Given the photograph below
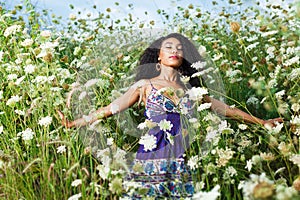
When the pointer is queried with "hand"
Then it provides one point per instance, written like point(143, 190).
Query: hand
point(272, 122)
point(64, 121)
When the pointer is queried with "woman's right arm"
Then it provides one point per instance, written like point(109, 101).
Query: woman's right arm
point(83, 121)
point(129, 98)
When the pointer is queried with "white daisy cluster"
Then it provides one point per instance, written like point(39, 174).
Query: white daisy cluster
point(165, 125)
point(261, 187)
point(47, 48)
point(45, 121)
point(26, 135)
point(147, 124)
point(210, 195)
point(193, 162)
point(12, 30)
point(148, 141)
point(197, 93)
point(113, 162)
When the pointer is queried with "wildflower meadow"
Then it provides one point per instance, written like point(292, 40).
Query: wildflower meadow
point(251, 62)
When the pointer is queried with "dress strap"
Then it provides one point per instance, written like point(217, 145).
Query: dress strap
point(151, 84)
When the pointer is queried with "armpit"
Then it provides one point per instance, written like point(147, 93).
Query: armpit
point(140, 86)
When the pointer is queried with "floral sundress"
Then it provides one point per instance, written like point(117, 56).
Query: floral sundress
point(162, 170)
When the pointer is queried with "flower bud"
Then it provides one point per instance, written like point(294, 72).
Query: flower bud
point(235, 27)
point(296, 184)
point(263, 190)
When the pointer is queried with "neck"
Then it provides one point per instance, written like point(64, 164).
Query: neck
point(168, 73)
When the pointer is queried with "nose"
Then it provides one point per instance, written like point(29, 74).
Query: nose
point(174, 51)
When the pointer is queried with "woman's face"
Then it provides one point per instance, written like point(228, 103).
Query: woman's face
point(171, 53)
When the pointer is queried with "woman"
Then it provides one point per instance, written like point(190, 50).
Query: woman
point(164, 172)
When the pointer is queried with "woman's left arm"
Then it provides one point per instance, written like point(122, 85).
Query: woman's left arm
point(235, 113)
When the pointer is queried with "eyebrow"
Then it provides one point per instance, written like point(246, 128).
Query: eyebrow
point(172, 43)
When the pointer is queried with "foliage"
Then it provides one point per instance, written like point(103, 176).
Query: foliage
point(254, 52)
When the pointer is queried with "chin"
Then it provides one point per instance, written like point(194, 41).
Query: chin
point(175, 66)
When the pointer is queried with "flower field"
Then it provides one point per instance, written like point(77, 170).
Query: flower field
point(251, 62)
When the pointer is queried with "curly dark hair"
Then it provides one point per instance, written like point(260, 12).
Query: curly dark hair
point(149, 59)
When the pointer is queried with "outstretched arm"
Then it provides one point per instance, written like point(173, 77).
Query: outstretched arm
point(235, 113)
point(123, 102)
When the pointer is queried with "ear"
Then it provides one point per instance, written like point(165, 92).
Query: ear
point(158, 58)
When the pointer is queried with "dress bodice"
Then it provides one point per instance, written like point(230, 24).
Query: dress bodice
point(160, 107)
point(159, 104)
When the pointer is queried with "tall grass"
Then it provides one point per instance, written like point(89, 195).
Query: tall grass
point(254, 55)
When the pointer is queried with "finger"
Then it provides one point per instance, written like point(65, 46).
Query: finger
point(269, 125)
point(280, 119)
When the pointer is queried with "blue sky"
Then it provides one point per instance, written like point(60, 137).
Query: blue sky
point(61, 7)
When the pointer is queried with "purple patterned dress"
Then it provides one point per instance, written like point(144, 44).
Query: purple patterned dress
point(164, 173)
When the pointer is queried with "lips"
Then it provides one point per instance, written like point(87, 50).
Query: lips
point(174, 57)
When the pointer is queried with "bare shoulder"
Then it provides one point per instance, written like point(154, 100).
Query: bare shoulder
point(142, 87)
point(141, 84)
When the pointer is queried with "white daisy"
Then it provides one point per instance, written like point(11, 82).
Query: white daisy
point(249, 165)
point(242, 126)
point(199, 65)
point(193, 162)
point(13, 100)
point(110, 141)
point(197, 93)
point(45, 33)
point(149, 142)
point(75, 196)
point(27, 134)
point(45, 121)
point(211, 195)
point(165, 125)
point(27, 43)
point(61, 149)
point(204, 106)
point(76, 182)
